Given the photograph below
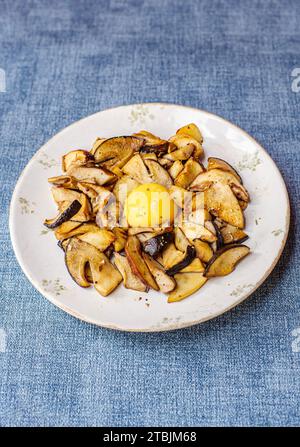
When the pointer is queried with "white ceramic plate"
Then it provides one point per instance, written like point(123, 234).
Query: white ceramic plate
point(267, 221)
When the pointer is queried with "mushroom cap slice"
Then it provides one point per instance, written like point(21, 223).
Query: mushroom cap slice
point(63, 216)
point(158, 174)
point(224, 261)
point(192, 130)
point(117, 151)
point(218, 163)
point(220, 176)
point(99, 176)
point(189, 256)
point(136, 169)
point(137, 263)
point(221, 202)
point(130, 280)
point(100, 238)
point(203, 250)
point(233, 234)
point(165, 283)
point(187, 283)
point(152, 143)
point(190, 171)
point(77, 157)
point(105, 277)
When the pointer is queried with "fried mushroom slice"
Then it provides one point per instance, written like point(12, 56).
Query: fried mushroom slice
point(218, 163)
point(224, 261)
point(130, 280)
point(136, 169)
point(233, 234)
point(100, 238)
point(220, 176)
point(187, 283)
point(203, 250)
point(152, 143)
point(176, 169)
point(63, 216)
point(190, 171)
point(116, 151)
point(221, 202)
point(105, 277)
point(165, 283)
point(139, 267)
point(76, 158)
point(99, 176)
point(158, 174)
point(192, 130)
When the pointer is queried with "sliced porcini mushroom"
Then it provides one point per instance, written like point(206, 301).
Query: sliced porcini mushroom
point(123, 187)
point(192, 130)
point(224, 261)
point(108, 213)
point(176, 169)
point(240, 192)
point(189, 256)
point(213, 228)
point(96, 144)
point(76, 158)
point(186, 147)
point(65, 181)
point(120, 239)
point(182, 153)
point(152, 143)
point(158, 174)
point(197, 231)
point(165, 283)
point(218, 163)
point(92, 191)
point(63, 244)
point(180, 240)
point(136, 169)
point(243, 204)
point(70, 229)
point(130, 280)
point(190, 171)
point(171, 256)
point(231, 234)
point(116, 151)
point(203, 250)
point(64, 195)
point(67, 214)
point(195, 266)
point(149, 156)
point(137, 263)
point(105, 276)
point(65, 230)
point(156, 244)
point(221, 202)
point(220, 176)
point(165, 163)
point(99, 176)
point(187, 284)
point(100, 238)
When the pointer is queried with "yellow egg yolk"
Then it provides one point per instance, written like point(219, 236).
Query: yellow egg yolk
point(149, 205)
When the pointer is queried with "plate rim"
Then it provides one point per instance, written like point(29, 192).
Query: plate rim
point(171, 327)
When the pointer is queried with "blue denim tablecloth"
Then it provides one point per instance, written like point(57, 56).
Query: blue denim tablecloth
point(63, 60)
